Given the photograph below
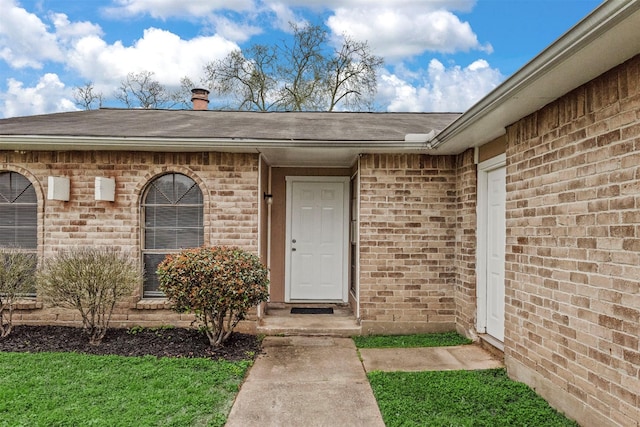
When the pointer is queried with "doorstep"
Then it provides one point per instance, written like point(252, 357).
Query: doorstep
point(278, 320)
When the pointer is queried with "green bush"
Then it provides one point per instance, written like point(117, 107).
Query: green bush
point(218, 284)
point(17, 278)
point(90, 280)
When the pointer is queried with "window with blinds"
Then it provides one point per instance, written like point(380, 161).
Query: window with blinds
point(173, 219)
point(18, 214)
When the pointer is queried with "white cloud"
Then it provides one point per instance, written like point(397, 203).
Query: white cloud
point(284, 16)
point(461, 5)
point(442, 89)
point(166, 54)
point(401, 32)
point(25, 40)
point(49, 95)
point(164, 9)
point(231, 30)
point(68, 31)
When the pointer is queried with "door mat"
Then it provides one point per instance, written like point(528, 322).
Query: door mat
point(312, 310)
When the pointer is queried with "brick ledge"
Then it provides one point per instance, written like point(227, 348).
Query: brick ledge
point(153, 304)
point(27, 304)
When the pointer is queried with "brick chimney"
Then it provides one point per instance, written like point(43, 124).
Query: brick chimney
point(200, 99)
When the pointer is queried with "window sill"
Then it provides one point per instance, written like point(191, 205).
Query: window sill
point(153, 304)
point(27, 304)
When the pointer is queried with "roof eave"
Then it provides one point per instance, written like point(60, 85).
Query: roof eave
point(85, 143)
point(602, 40)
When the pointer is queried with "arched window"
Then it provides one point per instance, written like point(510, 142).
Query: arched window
point(172, 209)
point(18, 212)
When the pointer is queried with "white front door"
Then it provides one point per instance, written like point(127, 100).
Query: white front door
point(495, 252)
point(317, 238)
point(491, 247)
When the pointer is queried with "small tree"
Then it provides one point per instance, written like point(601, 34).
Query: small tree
point(218, 284)
point(90, 280)
point(17, 278)
point(144, 91)
point(304, 75)
point(86, 97)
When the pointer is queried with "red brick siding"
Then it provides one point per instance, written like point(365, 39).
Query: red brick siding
point(228, 182)
point(466, 221)
point(407, 242)
point(573, 247)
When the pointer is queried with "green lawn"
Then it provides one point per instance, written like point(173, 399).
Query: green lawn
point(460, 398)
point(69, 389)
point(454, 398)
point(443, 339)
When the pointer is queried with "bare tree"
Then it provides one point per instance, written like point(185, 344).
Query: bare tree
point(142, 90)
point(303, 68)
point(300, 76)
point(352, 76)
point(86, 96)
point(249, 79)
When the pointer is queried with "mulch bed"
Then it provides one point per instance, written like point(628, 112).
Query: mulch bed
point(159, 342)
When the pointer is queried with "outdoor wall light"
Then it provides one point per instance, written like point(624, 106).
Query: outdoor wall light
point(268, 198)
point(58, 188)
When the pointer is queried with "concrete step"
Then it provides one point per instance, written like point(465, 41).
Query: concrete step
point(278, 320)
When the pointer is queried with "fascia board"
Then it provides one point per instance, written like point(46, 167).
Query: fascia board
point(84, 143)
point(606, 17)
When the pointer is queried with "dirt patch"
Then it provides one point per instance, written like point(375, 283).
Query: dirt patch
point(160, 342)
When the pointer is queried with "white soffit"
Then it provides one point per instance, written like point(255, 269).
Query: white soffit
point(604, 39)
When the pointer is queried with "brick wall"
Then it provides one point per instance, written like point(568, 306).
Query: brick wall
point(228, 183)
point(465, 260)
point(407, 243)
point(573, 250)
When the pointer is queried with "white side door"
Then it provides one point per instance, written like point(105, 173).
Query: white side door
point(317, 239)
point(496, 229)
point(491, 247)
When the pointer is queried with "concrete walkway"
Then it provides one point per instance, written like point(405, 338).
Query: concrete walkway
point(462, 357)
point(320, 381)
point(306, 381)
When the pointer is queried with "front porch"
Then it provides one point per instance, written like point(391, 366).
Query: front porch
point(277, 319)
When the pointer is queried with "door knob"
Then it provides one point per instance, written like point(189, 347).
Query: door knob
point(293, 241)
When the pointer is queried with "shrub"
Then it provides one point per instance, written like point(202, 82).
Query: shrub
point(90, 280)
point(17, 278)
point(218, 284)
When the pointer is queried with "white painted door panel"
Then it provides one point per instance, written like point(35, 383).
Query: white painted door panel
point(317, 241)
point(496, 240)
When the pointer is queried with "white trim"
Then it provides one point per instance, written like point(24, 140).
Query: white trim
point(481, 258)
point(356, 218)
point(605, 38)
point(233, 145)
point(345, 180)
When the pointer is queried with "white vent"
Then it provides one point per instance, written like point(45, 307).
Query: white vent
point(58, 188)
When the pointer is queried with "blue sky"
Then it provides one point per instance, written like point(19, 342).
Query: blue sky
point(440, 55)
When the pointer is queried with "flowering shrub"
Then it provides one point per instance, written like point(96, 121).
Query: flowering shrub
point(218, 284)
point(90, 280)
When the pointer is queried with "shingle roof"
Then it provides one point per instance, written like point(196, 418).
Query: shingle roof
point(294, 126)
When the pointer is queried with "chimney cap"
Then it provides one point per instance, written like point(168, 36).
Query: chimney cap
point(200, 91)
point(200, 98)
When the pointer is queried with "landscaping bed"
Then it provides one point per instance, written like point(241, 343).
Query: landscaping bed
point(159, 342)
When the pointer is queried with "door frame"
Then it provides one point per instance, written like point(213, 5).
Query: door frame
point(481, 214)
point(345, 180)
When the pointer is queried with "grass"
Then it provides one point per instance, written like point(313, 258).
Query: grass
point(69, 389)
point(460, 398)
point(406, 341)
